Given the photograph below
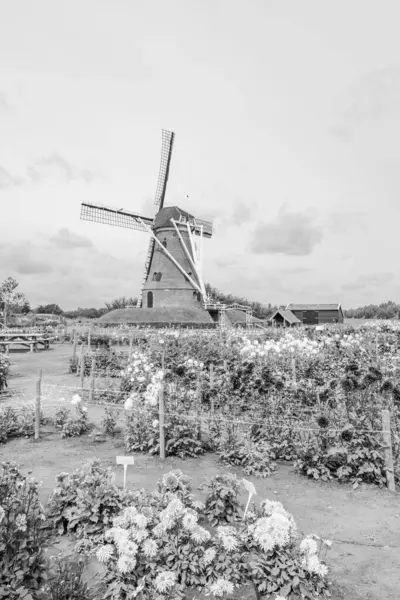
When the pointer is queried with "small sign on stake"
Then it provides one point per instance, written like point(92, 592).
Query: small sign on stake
point(252, 492)
point(125, 461)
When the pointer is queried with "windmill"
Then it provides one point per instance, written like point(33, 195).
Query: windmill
point(173, 267)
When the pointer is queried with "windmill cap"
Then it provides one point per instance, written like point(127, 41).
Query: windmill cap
point(163, 217)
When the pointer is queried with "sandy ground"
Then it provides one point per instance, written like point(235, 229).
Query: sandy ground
point(364, 525)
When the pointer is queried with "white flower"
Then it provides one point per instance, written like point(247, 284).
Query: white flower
point(2, 513)
point(126, 564)
point(327, 543)
point(140, 520)
point(221, 587)
point(150, 548)
point(20, 522)
point(199, 534)
point(104, 553)
point(128, 404)
point(189, 521)
point(309, 546)
point(198, 505)
point(76, 399)
point(165, 580)
point(323, 570)
point(229, 542)
point(140, 535)
point(84, 408)
point(155, 423)
point(209, 556)
point(280, 598)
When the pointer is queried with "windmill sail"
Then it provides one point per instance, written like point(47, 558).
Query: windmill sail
point(113, 216)
point(166, 152)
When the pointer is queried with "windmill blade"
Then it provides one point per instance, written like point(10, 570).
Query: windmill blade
point(113, 216)
point(166, 152)
point(147, 264)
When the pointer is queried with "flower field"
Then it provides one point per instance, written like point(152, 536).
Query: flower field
point(311, 399)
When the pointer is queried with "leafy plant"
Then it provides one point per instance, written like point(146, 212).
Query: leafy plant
point(85, 501)
point(22, 537)
point(65, 580)
point(72, 426)
point(4, 372)
point(109, 421)
point(222, 505)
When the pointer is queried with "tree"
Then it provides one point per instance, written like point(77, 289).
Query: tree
point(121, 302)
point(9, 297)
point(49, 309)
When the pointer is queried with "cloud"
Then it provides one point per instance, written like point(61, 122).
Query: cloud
point(7, 180)
point(20, 258)
point(5, 104)
point(67, 240)
point(51, 167)
point(373, 98)
point(372, 280)
point(55, 166)
point(292, 234)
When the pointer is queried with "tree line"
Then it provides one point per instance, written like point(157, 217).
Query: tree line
point(13, 302)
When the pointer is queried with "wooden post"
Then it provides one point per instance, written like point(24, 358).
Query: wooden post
point(75, 342)
point(38, 404)
point(294, 371)
point(198, 401)
point(92, 374)
point(161, 419)
point(212, 388)
point(130, 347)
point(81, 362)
point(387, 441)
point(89, 337)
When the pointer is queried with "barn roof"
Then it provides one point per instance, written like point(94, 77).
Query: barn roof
point(287, 315)
point(313, 306)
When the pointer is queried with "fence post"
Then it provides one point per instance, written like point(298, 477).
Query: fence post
point(294, 372)
point(81, 362)
point(198, 401)
point(75, 342)
point(38, 404)
point(161, 419)
point(387, 440)
point(130, 347)
point(212, 388)
point(89, 337)
point(92, 373)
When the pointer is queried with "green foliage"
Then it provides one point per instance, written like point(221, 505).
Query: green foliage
point(182, 437)
point(22, 537)
point(65, 580)
point(109, 421)
point(70, 426)
point(222, 505)
point(254, 458)
point(17, 422)
point(85, 501)
point(4, 372)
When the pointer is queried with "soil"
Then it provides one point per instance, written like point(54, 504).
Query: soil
point(363, 524)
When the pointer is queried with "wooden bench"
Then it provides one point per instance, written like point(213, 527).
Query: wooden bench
point(31, 344)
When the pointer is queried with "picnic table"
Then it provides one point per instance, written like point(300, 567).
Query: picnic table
point(20, 338)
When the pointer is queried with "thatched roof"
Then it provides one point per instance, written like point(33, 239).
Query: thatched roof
point(152, 316)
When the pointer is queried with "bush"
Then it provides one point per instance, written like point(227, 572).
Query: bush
point(85, 501)
point(4, 372)
point(16, 422)
point(222, 505)
point(70, 426)
point(66, 580)
point(22, 537)
point(109, 421)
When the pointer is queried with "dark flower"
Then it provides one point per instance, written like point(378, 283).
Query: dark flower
point(347, 433)
point(387, 386)
point(323, 421)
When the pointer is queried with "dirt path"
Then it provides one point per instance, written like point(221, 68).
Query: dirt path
point(363, 524)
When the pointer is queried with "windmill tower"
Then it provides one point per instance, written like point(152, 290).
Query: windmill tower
point(173, 268)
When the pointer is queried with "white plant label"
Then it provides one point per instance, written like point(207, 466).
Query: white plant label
point(125, 461)
point(252, 492)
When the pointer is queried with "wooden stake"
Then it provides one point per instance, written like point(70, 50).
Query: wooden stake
point(75, 343)
point(294, 371)
point(161, 420)
point(92, 374)
point(89, 337)
point(81, 362)
point(38, 404)
point(387, 441)
point(130, 346)
point(198, 401)
point(212, 388)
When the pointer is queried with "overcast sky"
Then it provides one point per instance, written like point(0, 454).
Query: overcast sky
point(287, 123)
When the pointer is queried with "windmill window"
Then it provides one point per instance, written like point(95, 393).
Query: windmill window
point(164, 243)
point(158, 276)
point(149, 299)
